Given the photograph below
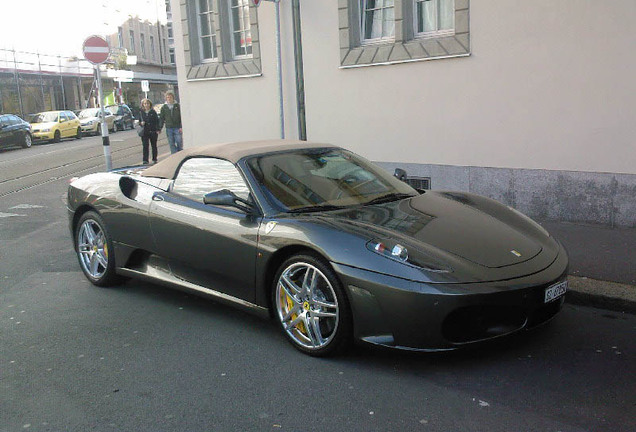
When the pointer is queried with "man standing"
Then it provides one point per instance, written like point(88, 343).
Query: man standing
point(170, 116)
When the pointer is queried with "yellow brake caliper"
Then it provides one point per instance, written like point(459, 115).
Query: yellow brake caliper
point(290, 305)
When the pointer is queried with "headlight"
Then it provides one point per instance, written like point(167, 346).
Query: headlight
point(398, 252)
point(45, 130)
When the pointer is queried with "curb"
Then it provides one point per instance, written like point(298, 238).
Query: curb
point(601, 294)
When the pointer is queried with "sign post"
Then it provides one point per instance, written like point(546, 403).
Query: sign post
point(96, 51)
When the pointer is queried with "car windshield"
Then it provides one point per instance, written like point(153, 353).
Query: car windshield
point(324, 178)
point(89, 112)
point(44, 117)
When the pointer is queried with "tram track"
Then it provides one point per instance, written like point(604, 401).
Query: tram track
point(41, 169)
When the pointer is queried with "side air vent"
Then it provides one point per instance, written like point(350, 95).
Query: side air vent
point(422, 183)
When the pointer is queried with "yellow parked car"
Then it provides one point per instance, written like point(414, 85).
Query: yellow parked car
point(90, 119)
point(52, 126)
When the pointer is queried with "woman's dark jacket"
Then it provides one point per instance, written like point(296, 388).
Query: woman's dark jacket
point(151, 121)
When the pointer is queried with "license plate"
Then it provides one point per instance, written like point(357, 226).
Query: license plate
point(555, 291)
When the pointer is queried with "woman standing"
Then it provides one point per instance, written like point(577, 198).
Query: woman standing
point(150, 122)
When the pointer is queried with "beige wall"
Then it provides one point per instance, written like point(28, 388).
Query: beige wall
point(549, 85)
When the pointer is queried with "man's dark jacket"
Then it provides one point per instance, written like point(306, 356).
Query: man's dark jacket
point(171, 118)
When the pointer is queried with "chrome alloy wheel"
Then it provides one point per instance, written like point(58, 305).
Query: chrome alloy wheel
point(307, 305)
point(92, 249)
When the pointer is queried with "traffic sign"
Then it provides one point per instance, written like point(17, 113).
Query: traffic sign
point(96, 49)
point(145, 86)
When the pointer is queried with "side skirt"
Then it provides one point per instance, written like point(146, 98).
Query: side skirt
point(157, 275)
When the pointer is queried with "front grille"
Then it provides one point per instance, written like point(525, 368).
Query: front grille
point(474, 323)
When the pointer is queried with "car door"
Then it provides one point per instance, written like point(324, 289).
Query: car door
point(5, 133)
point(211, 246)
point(63, 124)
point(73, 123)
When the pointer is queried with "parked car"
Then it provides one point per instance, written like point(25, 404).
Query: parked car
point(52, 126)
point(14, 131)
point(91, 120)
point(329, 244)
point(124, 118)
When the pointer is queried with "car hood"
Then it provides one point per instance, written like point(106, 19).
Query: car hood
point(85, 120)
point(40, 126)
point(466, 226)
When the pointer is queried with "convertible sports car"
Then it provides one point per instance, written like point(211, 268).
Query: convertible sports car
point(329, 244)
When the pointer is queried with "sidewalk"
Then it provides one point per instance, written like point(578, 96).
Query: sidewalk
point(602, 264)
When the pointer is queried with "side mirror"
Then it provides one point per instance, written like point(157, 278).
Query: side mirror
point(400, 174)
point(225, 197)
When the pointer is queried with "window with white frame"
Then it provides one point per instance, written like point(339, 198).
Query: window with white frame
point(434, 17)
point(377, 20)
point(120, 37)
point(207, 29)
point(240, 28)
point(142, 41)
point(397, 31)
point(221, 39)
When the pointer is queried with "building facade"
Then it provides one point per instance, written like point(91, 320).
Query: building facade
point(531, 103)
point(149, 43)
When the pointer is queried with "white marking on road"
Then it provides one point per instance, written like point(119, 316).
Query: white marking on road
point(484, 404)
point(5, 215)
point(26, 206)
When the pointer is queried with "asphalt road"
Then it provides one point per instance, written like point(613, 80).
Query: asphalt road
point(140, 357)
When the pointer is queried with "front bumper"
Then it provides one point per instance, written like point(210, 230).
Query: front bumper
point(89, 128)
point(40, 136)
point(403, 314)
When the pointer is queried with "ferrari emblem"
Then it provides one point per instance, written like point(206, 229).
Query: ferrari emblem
point(270, 227)
point(515, 253)
point(306, 305)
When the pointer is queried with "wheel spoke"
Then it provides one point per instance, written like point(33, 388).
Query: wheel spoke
point(289, 286)
point(101, 258)
point(84, 247)
point(324, 304)
point(324, 314)
point(309, 282)
point(293, 323)
point(313, 329)
point(88, 231)
point(295, 310)
point(94, 265)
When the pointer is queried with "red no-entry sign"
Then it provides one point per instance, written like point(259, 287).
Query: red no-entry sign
point(96, 49)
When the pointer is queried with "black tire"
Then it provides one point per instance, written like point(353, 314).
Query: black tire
point(27, 141)
point(78, 135)
point(95, 251)
point(57, 137)
point(98, 130)
point(317, 322)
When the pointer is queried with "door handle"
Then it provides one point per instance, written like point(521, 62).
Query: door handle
point(157, 197)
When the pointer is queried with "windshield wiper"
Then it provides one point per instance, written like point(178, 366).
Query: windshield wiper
point(393, 196)
point(316, 208)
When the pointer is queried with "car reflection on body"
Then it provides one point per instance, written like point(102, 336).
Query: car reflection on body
point(91, 120)
point(330, 245)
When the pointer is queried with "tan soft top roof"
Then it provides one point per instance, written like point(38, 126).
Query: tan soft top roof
point(232, 152)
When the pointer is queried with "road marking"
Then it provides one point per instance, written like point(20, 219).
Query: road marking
point(5, 215)
point(25, 206)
